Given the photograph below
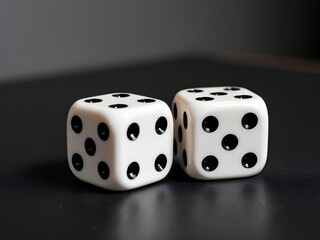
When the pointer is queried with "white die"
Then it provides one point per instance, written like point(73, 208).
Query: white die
point(220, 132)
point(120, 141)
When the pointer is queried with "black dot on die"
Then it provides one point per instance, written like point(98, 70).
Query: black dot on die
point(195, 90)
point(118, 106)
point(121, 95)
point(175, 111)
point(210, 124)
point(218, 93)
point(210, 163)
point(232, 89)
point(185, 120)
point(243, 96)
point(77, 162)
point(76, 124)
point(160, 162)
point(249, 121)
point(133, 131)
point(146, 100)
point(175, 147)
point(204, 99)
point(161, 125)
point(180, 133)
point(93, 100)
point(103, 131)
point(90, 146)
point(103, 170)
point(249, 160)
point(185, 158)
point(133, 170)
point(229, 142)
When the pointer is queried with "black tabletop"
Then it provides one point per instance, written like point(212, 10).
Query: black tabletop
point(41, 199)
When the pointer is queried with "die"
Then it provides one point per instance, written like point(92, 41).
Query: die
point(220, 132)
point(120, 141)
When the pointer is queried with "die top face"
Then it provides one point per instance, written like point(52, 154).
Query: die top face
point(120, 109)
point(117, 102)
point(224, 95)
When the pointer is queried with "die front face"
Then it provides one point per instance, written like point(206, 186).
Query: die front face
point(220, 132)
point(124, 141)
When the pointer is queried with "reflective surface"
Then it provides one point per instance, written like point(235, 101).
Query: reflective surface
point(41, 199)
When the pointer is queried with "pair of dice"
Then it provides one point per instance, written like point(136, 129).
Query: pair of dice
point(123, 141)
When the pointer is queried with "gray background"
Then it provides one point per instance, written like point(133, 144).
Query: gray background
point(41, 37)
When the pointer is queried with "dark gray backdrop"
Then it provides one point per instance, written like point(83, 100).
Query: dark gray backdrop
point(44, 36)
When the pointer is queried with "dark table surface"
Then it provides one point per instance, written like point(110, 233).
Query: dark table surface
point(41, 199)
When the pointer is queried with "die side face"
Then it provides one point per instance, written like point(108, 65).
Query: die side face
point(136, 150)
point(227, 135)
point(86, 149)
point(183, 141)
point(145, 153)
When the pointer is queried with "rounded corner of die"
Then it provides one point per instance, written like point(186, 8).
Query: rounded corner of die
point(197, 175)
point(74, 109)
point(168, 108)
point(71, 109)
point(179, 92)
point(76, 104)
point(254, 173)
point(193, 172)
point(258, 169)
point(180, 95)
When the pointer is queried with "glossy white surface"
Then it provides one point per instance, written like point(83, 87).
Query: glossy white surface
point(118, 152)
